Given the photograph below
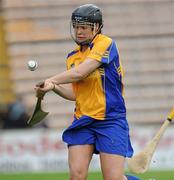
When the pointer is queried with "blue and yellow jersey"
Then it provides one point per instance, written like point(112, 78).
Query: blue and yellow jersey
point(100, 95)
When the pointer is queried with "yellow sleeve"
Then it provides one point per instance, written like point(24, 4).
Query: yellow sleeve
point(99, 49)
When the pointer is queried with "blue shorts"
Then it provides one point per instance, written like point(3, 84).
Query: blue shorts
point(109, 136)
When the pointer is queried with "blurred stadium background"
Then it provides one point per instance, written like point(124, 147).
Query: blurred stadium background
point(39, 29)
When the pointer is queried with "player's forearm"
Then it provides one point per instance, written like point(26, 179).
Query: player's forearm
point(65, 92)
point(77, 73)
point(69, 76)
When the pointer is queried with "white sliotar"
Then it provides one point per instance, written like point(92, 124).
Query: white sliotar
point(32, 65)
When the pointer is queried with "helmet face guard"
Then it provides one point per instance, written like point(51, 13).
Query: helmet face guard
point(86, 15)
point(93, 27)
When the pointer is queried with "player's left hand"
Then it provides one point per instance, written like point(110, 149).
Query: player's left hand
point(43, 87)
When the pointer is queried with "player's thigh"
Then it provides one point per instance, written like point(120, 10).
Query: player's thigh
point(79, 157)
point(112, 166)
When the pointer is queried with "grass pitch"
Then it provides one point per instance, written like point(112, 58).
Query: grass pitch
point(151, 175)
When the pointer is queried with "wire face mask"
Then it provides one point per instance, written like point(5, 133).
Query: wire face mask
point(83, 25)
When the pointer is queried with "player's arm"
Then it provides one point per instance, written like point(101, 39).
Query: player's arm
point(73, 75)
point(77, 73)
point(65, 91)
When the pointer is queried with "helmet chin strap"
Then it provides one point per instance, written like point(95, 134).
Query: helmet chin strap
point(88, 41)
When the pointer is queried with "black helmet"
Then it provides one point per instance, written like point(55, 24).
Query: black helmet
point(87, 13)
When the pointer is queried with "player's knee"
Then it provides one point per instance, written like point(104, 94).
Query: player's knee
point(78, 173)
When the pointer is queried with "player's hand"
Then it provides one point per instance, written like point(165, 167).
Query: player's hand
point(43, 87)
